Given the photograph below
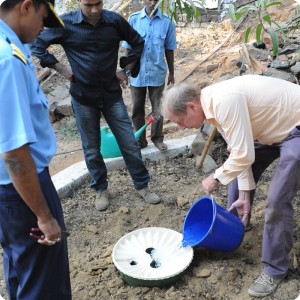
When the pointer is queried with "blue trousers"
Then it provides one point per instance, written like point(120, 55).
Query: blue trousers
point(32, 271)
point(116, 116)
point(279, 212)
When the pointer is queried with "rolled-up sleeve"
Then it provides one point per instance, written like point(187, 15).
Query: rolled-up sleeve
point(232, 115)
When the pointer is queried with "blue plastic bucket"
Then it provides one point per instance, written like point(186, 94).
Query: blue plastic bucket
point(211, 226)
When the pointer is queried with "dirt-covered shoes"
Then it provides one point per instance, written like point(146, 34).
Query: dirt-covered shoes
point(148, 196)
point(264, 285)
point(102, 202)
point(161, 146)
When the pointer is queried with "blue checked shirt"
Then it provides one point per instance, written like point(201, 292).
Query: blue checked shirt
point(159, 35)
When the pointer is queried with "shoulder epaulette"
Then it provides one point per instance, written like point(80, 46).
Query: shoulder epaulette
point(16, 51)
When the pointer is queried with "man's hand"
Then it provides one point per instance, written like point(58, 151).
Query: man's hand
point(243, 206)
point(171, 79)
point(123, 79)
point(209, 184)
point(65, 71)
point(22, 171)
point(51, 232)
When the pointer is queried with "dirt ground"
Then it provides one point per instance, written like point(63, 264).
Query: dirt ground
point(211, 275)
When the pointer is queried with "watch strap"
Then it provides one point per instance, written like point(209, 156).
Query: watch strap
point(127, 72)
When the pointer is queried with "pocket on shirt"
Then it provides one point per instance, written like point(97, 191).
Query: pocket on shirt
point(159, 40)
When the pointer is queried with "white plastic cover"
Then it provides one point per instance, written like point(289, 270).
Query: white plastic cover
point(152, 253)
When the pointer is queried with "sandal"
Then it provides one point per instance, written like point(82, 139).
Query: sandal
point(161, 146)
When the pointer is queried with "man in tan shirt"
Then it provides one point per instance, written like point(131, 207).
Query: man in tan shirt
point(259, 117)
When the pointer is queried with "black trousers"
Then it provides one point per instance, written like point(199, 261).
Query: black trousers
point(138, 96)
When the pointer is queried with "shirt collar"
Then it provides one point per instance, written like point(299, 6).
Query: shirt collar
point(144, 14)
point(79, 17)
point(7, 32)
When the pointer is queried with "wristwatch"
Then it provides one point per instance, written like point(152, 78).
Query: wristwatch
point(127, 72)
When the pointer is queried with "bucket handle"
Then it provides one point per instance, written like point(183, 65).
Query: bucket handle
point(214, 211)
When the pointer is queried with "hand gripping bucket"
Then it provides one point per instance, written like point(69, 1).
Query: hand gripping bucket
point(211, 226)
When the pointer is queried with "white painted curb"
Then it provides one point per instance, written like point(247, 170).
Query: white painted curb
point(72, 177)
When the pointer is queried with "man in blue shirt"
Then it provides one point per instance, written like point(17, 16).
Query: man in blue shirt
point(90, 39)
point(35, 255)
point(159, 34)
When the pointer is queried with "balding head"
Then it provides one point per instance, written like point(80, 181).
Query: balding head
point(176, 98)
point(181, 104)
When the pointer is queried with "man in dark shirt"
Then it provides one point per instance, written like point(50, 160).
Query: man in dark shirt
point(91, 39)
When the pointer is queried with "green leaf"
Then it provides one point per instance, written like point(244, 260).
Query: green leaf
point(231, 12)
point(245, 8)
point(157, 6)
point(247, 33)
point(198, 14)
point(188, 12)
point(191, 3)
point(274, 41)
point(281, 31)
point(258, 33)
point(239, 15)
point(260, 3)
point(267, 19)
point(178, 5)
point(273, 3)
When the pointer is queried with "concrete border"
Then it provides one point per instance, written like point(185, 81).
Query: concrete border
point(72, 177)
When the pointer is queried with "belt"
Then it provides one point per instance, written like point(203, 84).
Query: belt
point(9, 185)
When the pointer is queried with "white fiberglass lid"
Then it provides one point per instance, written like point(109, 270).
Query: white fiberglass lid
point(151, 253)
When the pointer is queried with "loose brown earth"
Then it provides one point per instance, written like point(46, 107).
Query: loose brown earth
point(178, 182)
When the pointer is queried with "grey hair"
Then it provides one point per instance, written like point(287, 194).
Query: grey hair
point(176, 98)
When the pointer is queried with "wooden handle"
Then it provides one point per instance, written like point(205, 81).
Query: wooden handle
point(207, 145)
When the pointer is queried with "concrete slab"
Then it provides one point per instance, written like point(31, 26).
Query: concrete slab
point(72, 177)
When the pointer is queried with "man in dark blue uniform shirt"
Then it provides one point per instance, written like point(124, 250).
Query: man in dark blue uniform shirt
point(91, 39)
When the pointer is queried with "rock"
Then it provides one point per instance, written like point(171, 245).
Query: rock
point(206, 128)
point(280, 64)
point(211, 68)
point(97, 267)
point(296, 56)
point(92, 293)
point(247, 246)
point(59, 103)
point(290, 49)
point(258, 54)
point(202, 273)
point(182, 201)
point(170, 128)
point(92, 228)
point(214, 279)
point(198, 144)
point(296, 69)
point(124, 210)
point(64, 107)
point(279, 74)
point(232, 275)
point(208, 165)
